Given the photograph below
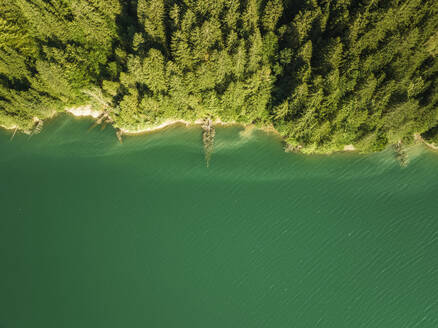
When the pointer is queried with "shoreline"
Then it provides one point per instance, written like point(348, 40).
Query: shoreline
point(152, 128)
point(349, 147)
point(84, 111)
point(9, 127)
point(420, 139)
point(170, 122)
point(431, 146)
point(88, 111)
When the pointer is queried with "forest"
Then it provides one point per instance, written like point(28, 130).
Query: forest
point(323, 73)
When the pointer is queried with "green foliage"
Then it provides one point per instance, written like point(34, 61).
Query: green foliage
point(358, 75)
point(324, 73)
point(431, 135)
point(50, 51)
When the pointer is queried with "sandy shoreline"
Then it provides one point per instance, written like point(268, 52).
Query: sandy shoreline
point(349, 148)
point(163, 125)
point(431, 146)
point(419, 138)
point(13, 127)
point(170, 123)
point(84, 111)
point(88, 111)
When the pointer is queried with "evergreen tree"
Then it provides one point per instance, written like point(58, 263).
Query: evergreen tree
point(324, 73)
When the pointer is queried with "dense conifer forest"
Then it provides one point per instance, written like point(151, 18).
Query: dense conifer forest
point(324, 73)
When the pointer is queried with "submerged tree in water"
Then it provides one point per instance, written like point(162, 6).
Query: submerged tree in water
point(208, 134)
point(400, 154)
point(324, 73)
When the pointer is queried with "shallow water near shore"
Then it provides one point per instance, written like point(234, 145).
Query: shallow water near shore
point(94, 233)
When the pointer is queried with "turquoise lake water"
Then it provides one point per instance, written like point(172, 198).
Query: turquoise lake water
point(94, 233)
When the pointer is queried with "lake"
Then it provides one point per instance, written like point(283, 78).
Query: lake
point(94, 233)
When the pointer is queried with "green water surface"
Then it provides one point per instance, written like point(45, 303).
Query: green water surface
point(94, 233)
